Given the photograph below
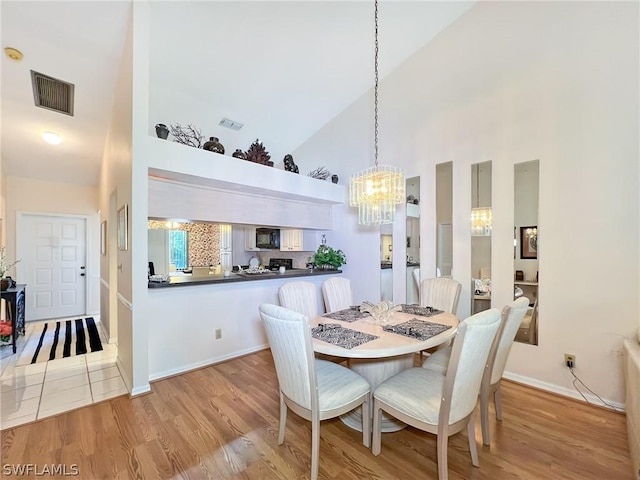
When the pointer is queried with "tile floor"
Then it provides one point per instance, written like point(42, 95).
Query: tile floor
point(33, 392)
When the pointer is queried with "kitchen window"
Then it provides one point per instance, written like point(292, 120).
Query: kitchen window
point(179, 249)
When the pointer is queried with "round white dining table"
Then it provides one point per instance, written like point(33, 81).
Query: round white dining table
point(383, 357)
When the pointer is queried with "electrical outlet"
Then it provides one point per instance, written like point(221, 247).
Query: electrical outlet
point(218, 333)
point(569, 360)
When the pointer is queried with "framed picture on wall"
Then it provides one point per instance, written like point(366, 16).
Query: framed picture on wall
point(103, 237)
point(529, 242)
point(123, 234)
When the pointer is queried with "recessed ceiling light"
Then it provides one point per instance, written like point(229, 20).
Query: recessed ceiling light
point(52, 138)
point(13, 53)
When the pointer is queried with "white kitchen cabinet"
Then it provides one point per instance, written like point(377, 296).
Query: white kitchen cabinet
point(225, 237)
point(250, 239)
point(291, 240)
point(226, 242)
point(296, 240)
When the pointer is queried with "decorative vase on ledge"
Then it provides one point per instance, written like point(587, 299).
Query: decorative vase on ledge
point(214, 145)
point(162, 131)
point(4, 284)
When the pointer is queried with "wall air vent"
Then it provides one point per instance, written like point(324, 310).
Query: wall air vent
point(232, 124)
point(52, 94)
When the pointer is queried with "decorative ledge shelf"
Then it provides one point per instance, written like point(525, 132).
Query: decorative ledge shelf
point(171, 161)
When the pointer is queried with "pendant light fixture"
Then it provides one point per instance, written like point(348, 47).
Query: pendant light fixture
point(481, 217)
point(376, 190)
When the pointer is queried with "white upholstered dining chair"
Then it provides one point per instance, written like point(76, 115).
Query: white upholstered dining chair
point(442, 293)
point(300, 297)
point(337, 294)
point(314, 389)
point(441, 404)
point(512, 315)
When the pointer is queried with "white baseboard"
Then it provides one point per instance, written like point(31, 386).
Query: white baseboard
point(565, 392)
point(205, 363)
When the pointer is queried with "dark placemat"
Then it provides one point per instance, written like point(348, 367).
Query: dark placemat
point(340, 336)
point(418, 329)
point(348, 314)
point(414, 309)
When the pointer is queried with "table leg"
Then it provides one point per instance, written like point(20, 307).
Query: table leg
point(376, 371)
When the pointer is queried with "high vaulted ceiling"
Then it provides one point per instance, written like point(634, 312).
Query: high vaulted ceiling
point(283, 69)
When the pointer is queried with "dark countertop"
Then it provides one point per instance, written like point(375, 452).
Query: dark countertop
point(188, 280)
point(385, 265)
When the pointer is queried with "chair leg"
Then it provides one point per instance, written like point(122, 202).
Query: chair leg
point(366, 422)
point(497, 397)
point(443, 468)
point(315, 447)
point(283, 420)
point(377, 434)
point(484, 416)
point(471, 433)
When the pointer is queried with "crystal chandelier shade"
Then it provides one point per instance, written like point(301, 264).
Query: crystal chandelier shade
point(481, 217)
point(481, 221)
point(376, 190)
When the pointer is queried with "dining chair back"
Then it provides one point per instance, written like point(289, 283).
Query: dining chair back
point(528, 331)
point(440, 292)
point(300, 297)
point(512, 316)
point(439, 403)
point(313, 389)
point(337, 294)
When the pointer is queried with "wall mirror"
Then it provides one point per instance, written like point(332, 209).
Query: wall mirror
point(525, 243)
point(444, 216)
point(481, 221)
point(386, 265)
point(413, 239)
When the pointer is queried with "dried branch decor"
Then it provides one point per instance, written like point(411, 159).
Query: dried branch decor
point(188, 135)
point(320, 173)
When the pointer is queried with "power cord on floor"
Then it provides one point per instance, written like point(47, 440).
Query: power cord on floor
point(577, 381)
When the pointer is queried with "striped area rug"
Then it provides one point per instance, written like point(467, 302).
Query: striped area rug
point(62, 339)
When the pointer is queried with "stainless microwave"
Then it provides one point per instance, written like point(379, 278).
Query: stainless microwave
point(268, 238)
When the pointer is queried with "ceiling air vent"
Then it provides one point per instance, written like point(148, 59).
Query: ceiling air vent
point(52, 94)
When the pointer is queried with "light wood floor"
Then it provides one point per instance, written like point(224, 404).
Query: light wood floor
point(220, 422)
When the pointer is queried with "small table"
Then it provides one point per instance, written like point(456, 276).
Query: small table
point(15, 298)
point(383, 357)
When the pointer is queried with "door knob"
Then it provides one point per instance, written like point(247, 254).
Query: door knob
point(82, 274)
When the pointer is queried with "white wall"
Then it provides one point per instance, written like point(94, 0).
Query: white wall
point(37, 196)
point(184, 321)
point(507, 82)
point(117, 266)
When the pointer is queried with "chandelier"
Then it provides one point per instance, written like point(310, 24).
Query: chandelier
point(481, 217)
point(376, 190)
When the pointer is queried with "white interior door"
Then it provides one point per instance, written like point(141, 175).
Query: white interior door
point(53, 253)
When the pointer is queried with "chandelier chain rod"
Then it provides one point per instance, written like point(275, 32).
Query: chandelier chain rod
point(375, 88)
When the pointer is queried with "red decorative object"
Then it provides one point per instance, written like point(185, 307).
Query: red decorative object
point(5, 330)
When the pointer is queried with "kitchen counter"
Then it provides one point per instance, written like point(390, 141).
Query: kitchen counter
point(189, 280)
point(385, 265)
